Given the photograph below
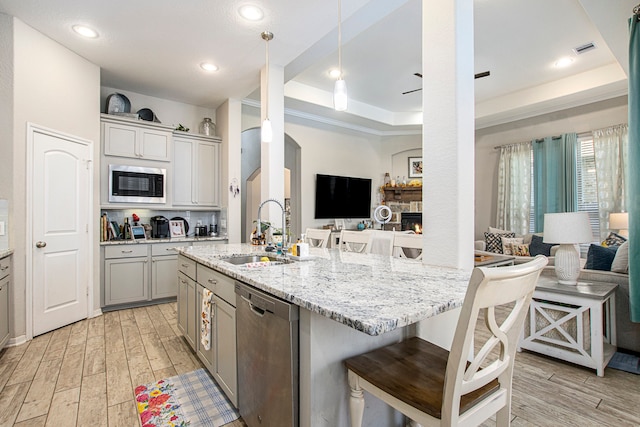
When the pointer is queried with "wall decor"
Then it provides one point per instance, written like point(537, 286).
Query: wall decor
point(415, 167)
point(176, 228)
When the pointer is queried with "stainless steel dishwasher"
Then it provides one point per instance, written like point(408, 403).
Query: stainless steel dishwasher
point(267, 342)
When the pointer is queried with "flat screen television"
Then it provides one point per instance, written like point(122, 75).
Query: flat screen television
point(342, 197)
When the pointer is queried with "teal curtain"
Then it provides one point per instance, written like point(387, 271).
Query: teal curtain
point(554, 176)
point(634, 171)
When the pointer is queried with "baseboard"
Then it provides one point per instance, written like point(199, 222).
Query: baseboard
point(17, 341)
point(97, 312)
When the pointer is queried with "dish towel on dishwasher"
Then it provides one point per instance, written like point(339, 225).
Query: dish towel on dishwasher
point(205, 319)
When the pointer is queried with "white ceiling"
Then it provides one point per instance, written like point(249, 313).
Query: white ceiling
point(154, 47)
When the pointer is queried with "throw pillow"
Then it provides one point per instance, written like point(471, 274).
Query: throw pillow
point(508, 242)
point(620, 262)
point(494, 241)
point(600, 257)
point(538, 247)
point(520, 249)
point(613, 239)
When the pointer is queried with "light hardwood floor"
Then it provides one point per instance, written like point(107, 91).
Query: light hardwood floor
point(84, 374)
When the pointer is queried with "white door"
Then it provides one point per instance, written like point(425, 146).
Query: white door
point(60, 250)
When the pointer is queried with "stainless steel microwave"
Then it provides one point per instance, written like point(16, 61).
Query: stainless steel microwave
point(135, 184)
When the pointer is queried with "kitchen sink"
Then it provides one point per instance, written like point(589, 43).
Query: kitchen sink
point(250, 259)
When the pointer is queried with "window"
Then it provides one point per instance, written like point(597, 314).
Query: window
point(586, 183)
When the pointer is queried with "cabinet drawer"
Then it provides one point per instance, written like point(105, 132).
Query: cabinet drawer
point(5, 267)
point(221, 285)
point(125, 251)
point(159, 249)
point(187, 266)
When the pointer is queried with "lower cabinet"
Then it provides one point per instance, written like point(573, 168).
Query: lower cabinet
point(220, 359)
point(5, 280)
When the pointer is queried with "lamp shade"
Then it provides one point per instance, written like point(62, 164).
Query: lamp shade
point(619, 221)
point(567, 228)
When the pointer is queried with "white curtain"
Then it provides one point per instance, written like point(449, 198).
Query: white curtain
point(610, 146)
point(514, 188)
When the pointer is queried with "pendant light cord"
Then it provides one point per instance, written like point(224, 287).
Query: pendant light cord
point(266, 75)
point(340, 38)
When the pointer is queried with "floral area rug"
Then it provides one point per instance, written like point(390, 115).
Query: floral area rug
point(191, 399)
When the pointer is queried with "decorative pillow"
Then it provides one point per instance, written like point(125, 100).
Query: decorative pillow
point(520, 249)
point(507, 242)
point(538, 247)
point(600, 257)
point(494, 241)
point(620, 262)
point(613, 239)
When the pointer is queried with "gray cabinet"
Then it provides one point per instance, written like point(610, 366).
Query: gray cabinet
point(5, 281)
point(221, 358)
point(136, 140)
point(196, 165)
point(137, 273)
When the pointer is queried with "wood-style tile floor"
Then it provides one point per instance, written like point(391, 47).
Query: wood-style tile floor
point(84, 374)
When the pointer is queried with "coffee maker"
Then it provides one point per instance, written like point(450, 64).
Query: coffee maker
point(159, 227)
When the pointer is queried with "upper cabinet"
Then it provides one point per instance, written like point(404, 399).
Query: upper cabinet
point(136, 139)
point(196, 165)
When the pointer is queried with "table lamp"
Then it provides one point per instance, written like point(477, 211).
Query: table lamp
point(567, 229)
point(620, 221)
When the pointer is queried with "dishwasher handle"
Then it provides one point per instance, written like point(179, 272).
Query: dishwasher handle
point(254, 309)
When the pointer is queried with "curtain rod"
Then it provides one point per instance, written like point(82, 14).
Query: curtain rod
point(580, 135)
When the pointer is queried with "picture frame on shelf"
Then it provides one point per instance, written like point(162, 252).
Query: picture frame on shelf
point(176, 228)
point(415, 167)
point(339, 224)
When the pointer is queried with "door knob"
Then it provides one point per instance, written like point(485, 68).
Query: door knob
point(41, 244)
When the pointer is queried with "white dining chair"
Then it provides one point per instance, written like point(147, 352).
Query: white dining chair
point(436, 387)
point(407, 245)
point(355, 241)
point(317, 238)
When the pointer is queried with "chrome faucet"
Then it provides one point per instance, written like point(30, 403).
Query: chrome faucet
point(284, 221)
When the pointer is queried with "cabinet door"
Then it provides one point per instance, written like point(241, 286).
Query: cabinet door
point(163, 269)
point(207, 181)
point(120, 140)
point(4, 311)
point(155, 145)
point(187, 308)
point(206, 356)
point(125, 280)
point(226, 368)
point(182, 173)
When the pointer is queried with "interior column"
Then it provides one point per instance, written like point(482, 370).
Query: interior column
point(272, 153)
point(448, 132)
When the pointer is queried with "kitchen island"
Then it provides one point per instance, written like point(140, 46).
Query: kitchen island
point(349, 304)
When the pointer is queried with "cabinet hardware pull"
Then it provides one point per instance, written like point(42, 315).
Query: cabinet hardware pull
point(212, 281)
point(4, 267)
point(127, 252)
point(182, 281)
point(185, 265)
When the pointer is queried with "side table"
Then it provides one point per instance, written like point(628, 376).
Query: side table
point(572, 323)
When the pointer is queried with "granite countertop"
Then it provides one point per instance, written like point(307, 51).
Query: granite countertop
point(371, 293)
point(5, 253)
point(167, 240)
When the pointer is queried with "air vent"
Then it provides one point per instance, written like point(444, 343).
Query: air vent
point(584, 48)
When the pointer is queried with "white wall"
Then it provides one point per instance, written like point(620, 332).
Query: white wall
point(580, 119)
point(57, 89)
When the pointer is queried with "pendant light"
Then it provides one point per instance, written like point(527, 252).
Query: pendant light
point(267, 130)
point(340, 88)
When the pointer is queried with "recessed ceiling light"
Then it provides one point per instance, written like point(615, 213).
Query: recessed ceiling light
point(564, 62)
point(207, 66)
point(85, 31)
point(334, 73)
point(251, 12)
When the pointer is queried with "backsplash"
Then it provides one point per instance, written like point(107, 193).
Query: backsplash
point(193, 218)
point(4, 224)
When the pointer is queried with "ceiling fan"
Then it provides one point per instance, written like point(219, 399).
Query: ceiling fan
point(475, 76)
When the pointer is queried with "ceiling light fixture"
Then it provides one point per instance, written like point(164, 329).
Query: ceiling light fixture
point(340, 88)
point(267, 130)
point(251, 12)
point(85, 31)
point(334, 73)
point(207, 66)
point(563, 62)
